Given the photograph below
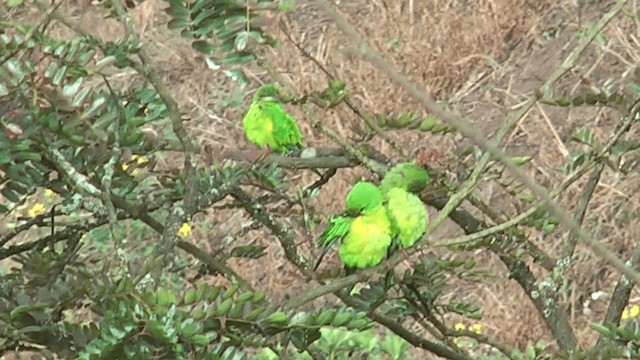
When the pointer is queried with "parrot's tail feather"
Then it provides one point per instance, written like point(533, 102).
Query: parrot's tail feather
point(324, 252)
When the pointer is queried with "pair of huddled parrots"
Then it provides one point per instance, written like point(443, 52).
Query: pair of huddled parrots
point(377, 220)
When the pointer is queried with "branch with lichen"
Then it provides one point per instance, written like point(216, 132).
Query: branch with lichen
point(146, 68)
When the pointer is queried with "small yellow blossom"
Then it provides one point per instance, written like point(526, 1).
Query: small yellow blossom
point(140, 160)
point(625, 314)
point(630, 312)
point(36, 209)
point(459, 327)
point(184, 231)
point(49, 193)
point(476, 328)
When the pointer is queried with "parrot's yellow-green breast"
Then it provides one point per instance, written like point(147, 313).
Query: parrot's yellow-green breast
point(408, 216)
point(368, 239)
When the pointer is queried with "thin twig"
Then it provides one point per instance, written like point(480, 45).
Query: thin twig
point(348, 100)
point(620, 296)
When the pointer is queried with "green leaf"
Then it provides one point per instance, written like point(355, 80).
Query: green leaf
point(59, 75)
point(190, 297)
point(81, 96)
point(165, 297)
point(28, 156)
point(94, 108)
point(201, 340)
point(189, 328)
point(10, 195)
point(204, 47)
point(14, 3)
point(178, 24)
point(602, 329)
point(201, 289)
point(16, 69)
point(241, 41)
point(177, 9)
point(586, 137)
point(239, 58)
point(17, 311)
point(71, 89)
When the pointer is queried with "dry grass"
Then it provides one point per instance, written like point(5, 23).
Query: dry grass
point(487, 56)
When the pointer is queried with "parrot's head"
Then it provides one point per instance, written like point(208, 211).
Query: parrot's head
point(266, 93)
point(417, 177)
point(364, 196)
point(407, 176)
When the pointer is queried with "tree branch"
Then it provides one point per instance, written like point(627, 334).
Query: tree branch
point(472, 133)
point(147, 69)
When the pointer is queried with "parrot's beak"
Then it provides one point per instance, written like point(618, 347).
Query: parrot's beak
point(354, 213)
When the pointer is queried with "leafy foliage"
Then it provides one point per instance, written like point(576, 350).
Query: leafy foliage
point(87, 283)
point(223, 31)
point(411, 120)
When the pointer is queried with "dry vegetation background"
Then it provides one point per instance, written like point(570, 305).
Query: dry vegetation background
point(484, 58)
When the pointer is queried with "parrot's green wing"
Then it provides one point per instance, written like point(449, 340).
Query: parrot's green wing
point(408, 216)
point(286, 133)
point(267, 123)
point(337, 229)
point(258, 127)
point(407, 176)
point(367, 242)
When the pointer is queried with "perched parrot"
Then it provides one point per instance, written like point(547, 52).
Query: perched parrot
point(407, 212)
point(365, 229)
point(408, 216)
point(268, 123)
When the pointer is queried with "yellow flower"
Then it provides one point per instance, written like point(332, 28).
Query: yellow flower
point(634, 311)
point(625, 314)
point(184, 231)
point(459, 327)
point(140, 160)
point(36, 209)
point(49, 193)
point(476, 328)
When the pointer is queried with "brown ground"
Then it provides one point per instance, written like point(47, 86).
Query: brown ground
point(485, 58)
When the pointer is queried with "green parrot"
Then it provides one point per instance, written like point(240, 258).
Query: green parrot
point(268, 123)
point(408, 176)
point(407, 212)
point(408, 216)
point(365, 229)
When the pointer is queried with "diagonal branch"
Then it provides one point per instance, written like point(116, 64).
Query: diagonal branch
point(471, 132)
point(147, 69)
